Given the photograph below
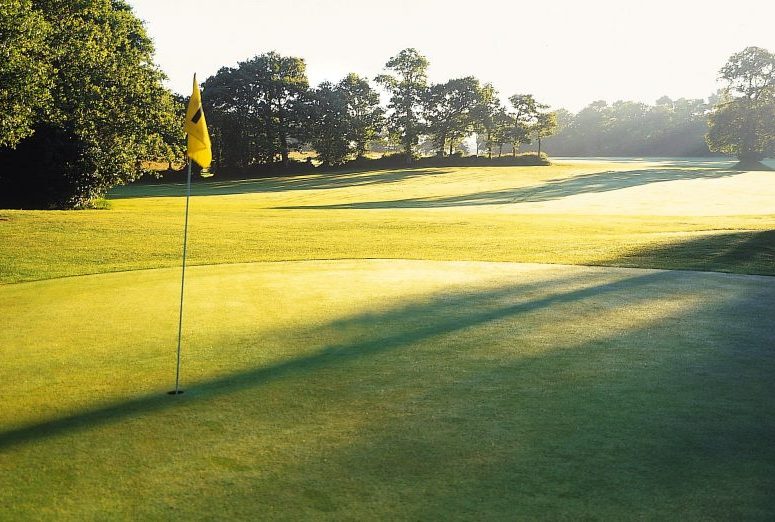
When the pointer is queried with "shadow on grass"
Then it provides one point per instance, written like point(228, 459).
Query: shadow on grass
point(740, 252)
point(671, 419)
point(329, 180)
point(655, 421)
point(445, 317)
point(550, 190)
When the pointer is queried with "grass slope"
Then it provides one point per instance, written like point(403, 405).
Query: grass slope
point(613, 213)
point(390, 390)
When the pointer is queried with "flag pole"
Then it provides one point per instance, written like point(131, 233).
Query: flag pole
point(177, 390)
point(199, 149)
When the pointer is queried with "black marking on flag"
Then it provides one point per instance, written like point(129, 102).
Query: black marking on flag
point(198, 115)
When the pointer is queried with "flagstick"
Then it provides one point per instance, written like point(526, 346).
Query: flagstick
point(178, 391)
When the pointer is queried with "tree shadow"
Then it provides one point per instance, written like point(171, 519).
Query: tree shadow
point(326, 181)
point(651, 421)
point(595, 440)
point(550, 190)
point(410, 324)
point(750, 252)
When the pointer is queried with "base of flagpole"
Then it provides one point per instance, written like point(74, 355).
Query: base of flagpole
point(175, 392)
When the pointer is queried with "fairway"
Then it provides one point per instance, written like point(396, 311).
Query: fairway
point(696, 214)
point(590, 340)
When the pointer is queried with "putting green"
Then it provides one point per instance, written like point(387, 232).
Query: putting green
point(389, 389)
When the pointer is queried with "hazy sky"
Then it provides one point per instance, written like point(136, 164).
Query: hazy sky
point(567, 53)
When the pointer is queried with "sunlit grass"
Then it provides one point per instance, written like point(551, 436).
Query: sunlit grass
point(526, 214)
point(386, 389)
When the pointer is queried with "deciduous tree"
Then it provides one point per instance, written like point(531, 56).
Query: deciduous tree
point(26, 74)
point(545, 125)
point(258, 109)
point(743, 121)
point(365, 117)
point(108, 113)
point(407, 85)
point(522, 119)
point(485, 116)
point(449, 111)
point(329, 124)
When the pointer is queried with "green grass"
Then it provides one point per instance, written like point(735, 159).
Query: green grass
point(612, 214)
point(440, 386)
point(379, 389)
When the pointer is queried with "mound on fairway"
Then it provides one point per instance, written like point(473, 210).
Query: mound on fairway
point(389, 390)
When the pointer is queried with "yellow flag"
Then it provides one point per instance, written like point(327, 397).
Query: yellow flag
point(199, 148)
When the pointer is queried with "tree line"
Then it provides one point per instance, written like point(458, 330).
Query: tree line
point(83, 108)
point(264, 108)
point(627, 128)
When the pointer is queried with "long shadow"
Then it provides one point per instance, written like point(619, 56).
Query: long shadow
point(612, 438)
point(721, 162)
point(550, 190)
point(739, 252)
point(641, 422)
point(467, 310)
point(325, 181)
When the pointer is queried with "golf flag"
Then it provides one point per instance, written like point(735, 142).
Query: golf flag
point(199, 148)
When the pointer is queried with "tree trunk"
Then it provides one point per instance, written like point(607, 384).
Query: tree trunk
point(408, 145)
point(408, 127)
point(539, 146)
point(282, 134)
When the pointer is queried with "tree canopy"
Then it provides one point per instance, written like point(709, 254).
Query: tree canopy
point(97, 108)
point(450, 110)
point(257, 110)
point(343, 119)
point(329, 120)
point(364, 114)
point(26, 73)
point(743, 121)
point(627, 128)
point(407, 85)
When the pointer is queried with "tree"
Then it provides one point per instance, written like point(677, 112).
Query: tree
point(108, 114)
point(624, 129)
point(503, 124)
point(545, 125)
point(329, 122)
point(485, 116)
point(522, 119)
point(407, 87)
point(742, 121)
point(365, 116)
point(449, 111)
point(258, 109)
point(25, 70)
point(743, 127)
point(284, 87)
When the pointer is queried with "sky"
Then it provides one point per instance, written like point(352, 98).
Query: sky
point(566, 53)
